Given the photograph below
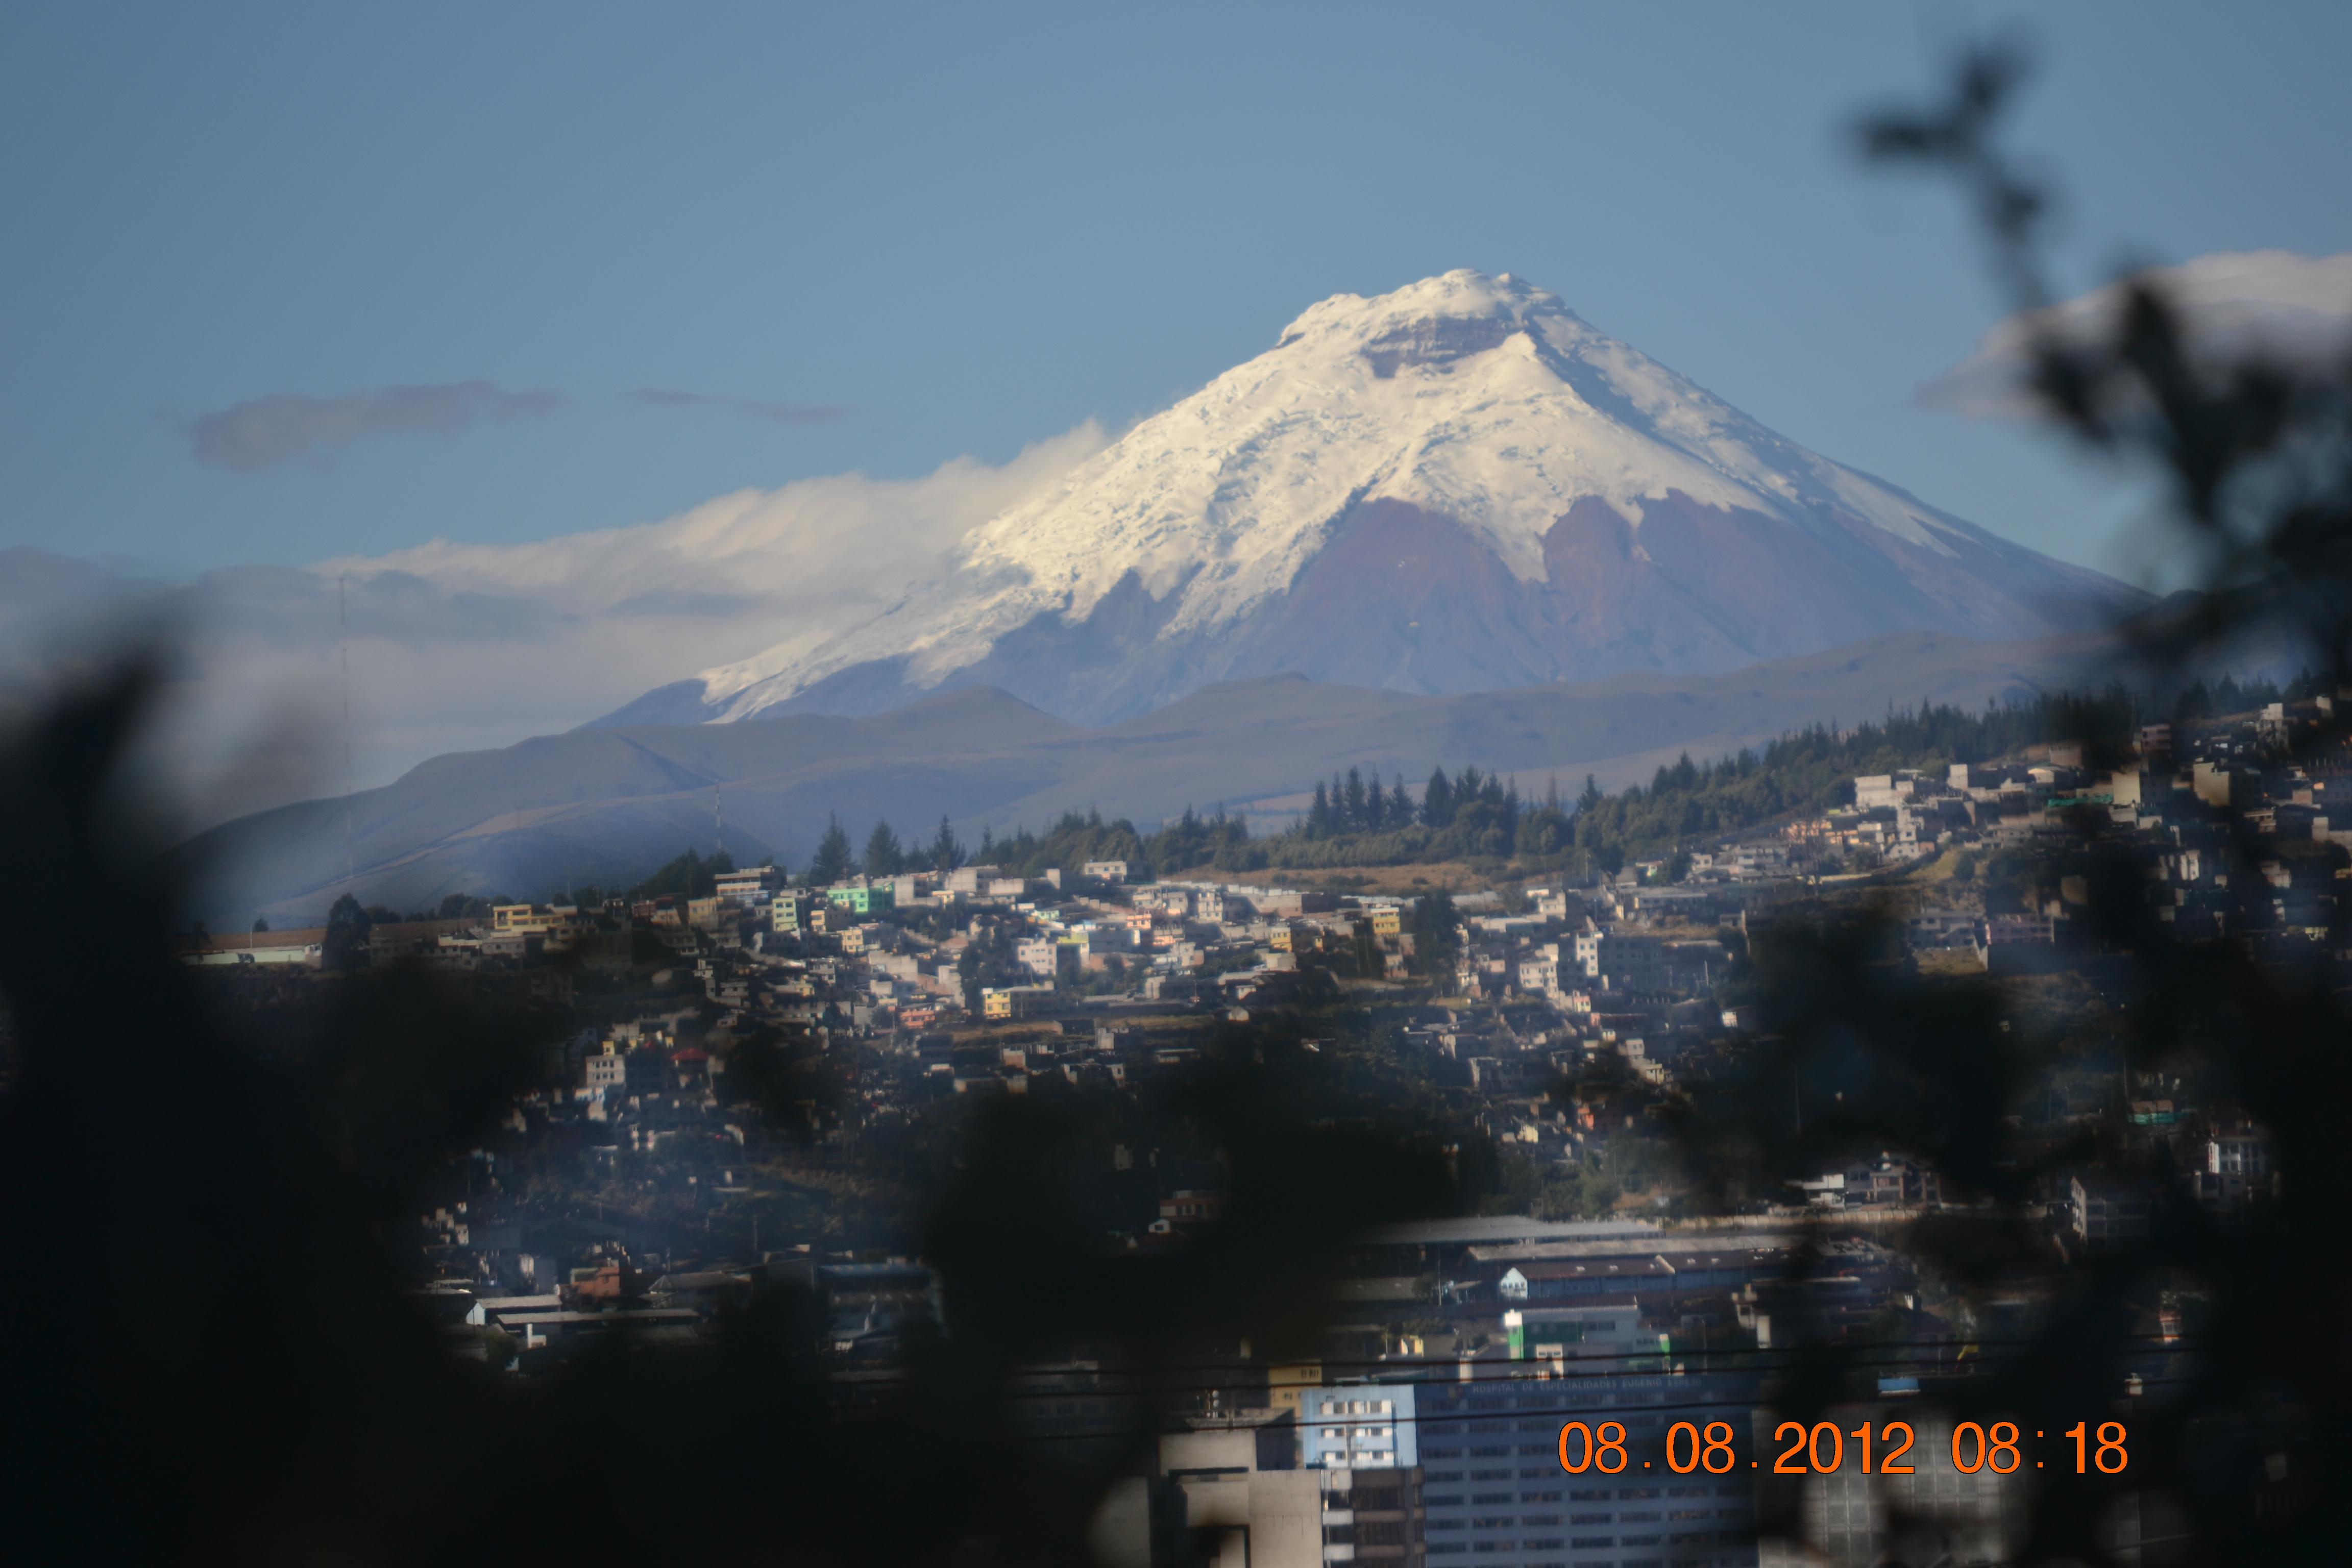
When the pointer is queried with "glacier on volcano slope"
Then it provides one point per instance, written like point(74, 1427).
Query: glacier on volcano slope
point(1458, 486)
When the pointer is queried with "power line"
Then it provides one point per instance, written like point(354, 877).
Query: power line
point(1534, 1382)
point(1134, 1384)
point(2176, 1345)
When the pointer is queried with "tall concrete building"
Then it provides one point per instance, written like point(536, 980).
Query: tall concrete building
point(1230, 1491)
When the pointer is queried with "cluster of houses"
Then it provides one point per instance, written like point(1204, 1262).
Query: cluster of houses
point(926, 988)
point(2168, 793)
point(978, 981)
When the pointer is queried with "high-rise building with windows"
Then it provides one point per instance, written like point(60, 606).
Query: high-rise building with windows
point(1495, 1495)
point(1357, 1426)
point(1232, 1491)
point(1462, 1466)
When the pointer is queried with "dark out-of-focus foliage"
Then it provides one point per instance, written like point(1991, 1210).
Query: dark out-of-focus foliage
point(2256, 452)
point(213, 1353)
point(2241, 1447)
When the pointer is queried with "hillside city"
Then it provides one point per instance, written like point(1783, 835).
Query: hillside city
point(1562, 788)
point(752, 1059)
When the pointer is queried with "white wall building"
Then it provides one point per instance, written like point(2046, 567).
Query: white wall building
point(1364, 1425)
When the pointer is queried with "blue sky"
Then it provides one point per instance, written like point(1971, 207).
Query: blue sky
point(967, 229)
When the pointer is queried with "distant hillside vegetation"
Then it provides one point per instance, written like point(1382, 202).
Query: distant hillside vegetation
point(1481, 817)
point(1359, 819)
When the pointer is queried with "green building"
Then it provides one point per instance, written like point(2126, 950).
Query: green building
point(861, 897)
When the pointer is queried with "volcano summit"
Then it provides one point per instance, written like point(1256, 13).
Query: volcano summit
point(1455, 486)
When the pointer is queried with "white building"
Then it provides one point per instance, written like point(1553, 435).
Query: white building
point(1622, 962)
point(1357, 1427)
point(749, 888)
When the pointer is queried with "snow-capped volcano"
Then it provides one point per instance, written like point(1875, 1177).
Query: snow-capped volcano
point(1457, 486)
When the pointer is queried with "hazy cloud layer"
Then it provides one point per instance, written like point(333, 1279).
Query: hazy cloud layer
point(779, 412)
point(2293, 310)
point(460, 646)
point(270, 431)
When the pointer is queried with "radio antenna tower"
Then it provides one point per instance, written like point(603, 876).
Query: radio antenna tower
point(343, 656)
point(718, 821)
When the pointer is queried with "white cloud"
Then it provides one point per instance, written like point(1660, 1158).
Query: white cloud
point(2294, 310)
point(459, 646)
point(632, 608)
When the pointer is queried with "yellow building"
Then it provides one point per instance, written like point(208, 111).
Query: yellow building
point(1286, 1385)
point(1014, 1000)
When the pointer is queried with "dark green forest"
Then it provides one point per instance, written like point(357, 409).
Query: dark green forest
point(1358, 818)
point(1484, 818)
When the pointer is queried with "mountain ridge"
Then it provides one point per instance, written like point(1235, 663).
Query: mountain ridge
point(604, 804)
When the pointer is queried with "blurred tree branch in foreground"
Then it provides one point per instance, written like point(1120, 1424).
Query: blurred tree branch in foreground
point(213, 1356)
point(2239, 1443)
point(214, 1353)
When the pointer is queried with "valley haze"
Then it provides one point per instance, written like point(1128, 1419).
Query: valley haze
point(606, 804)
